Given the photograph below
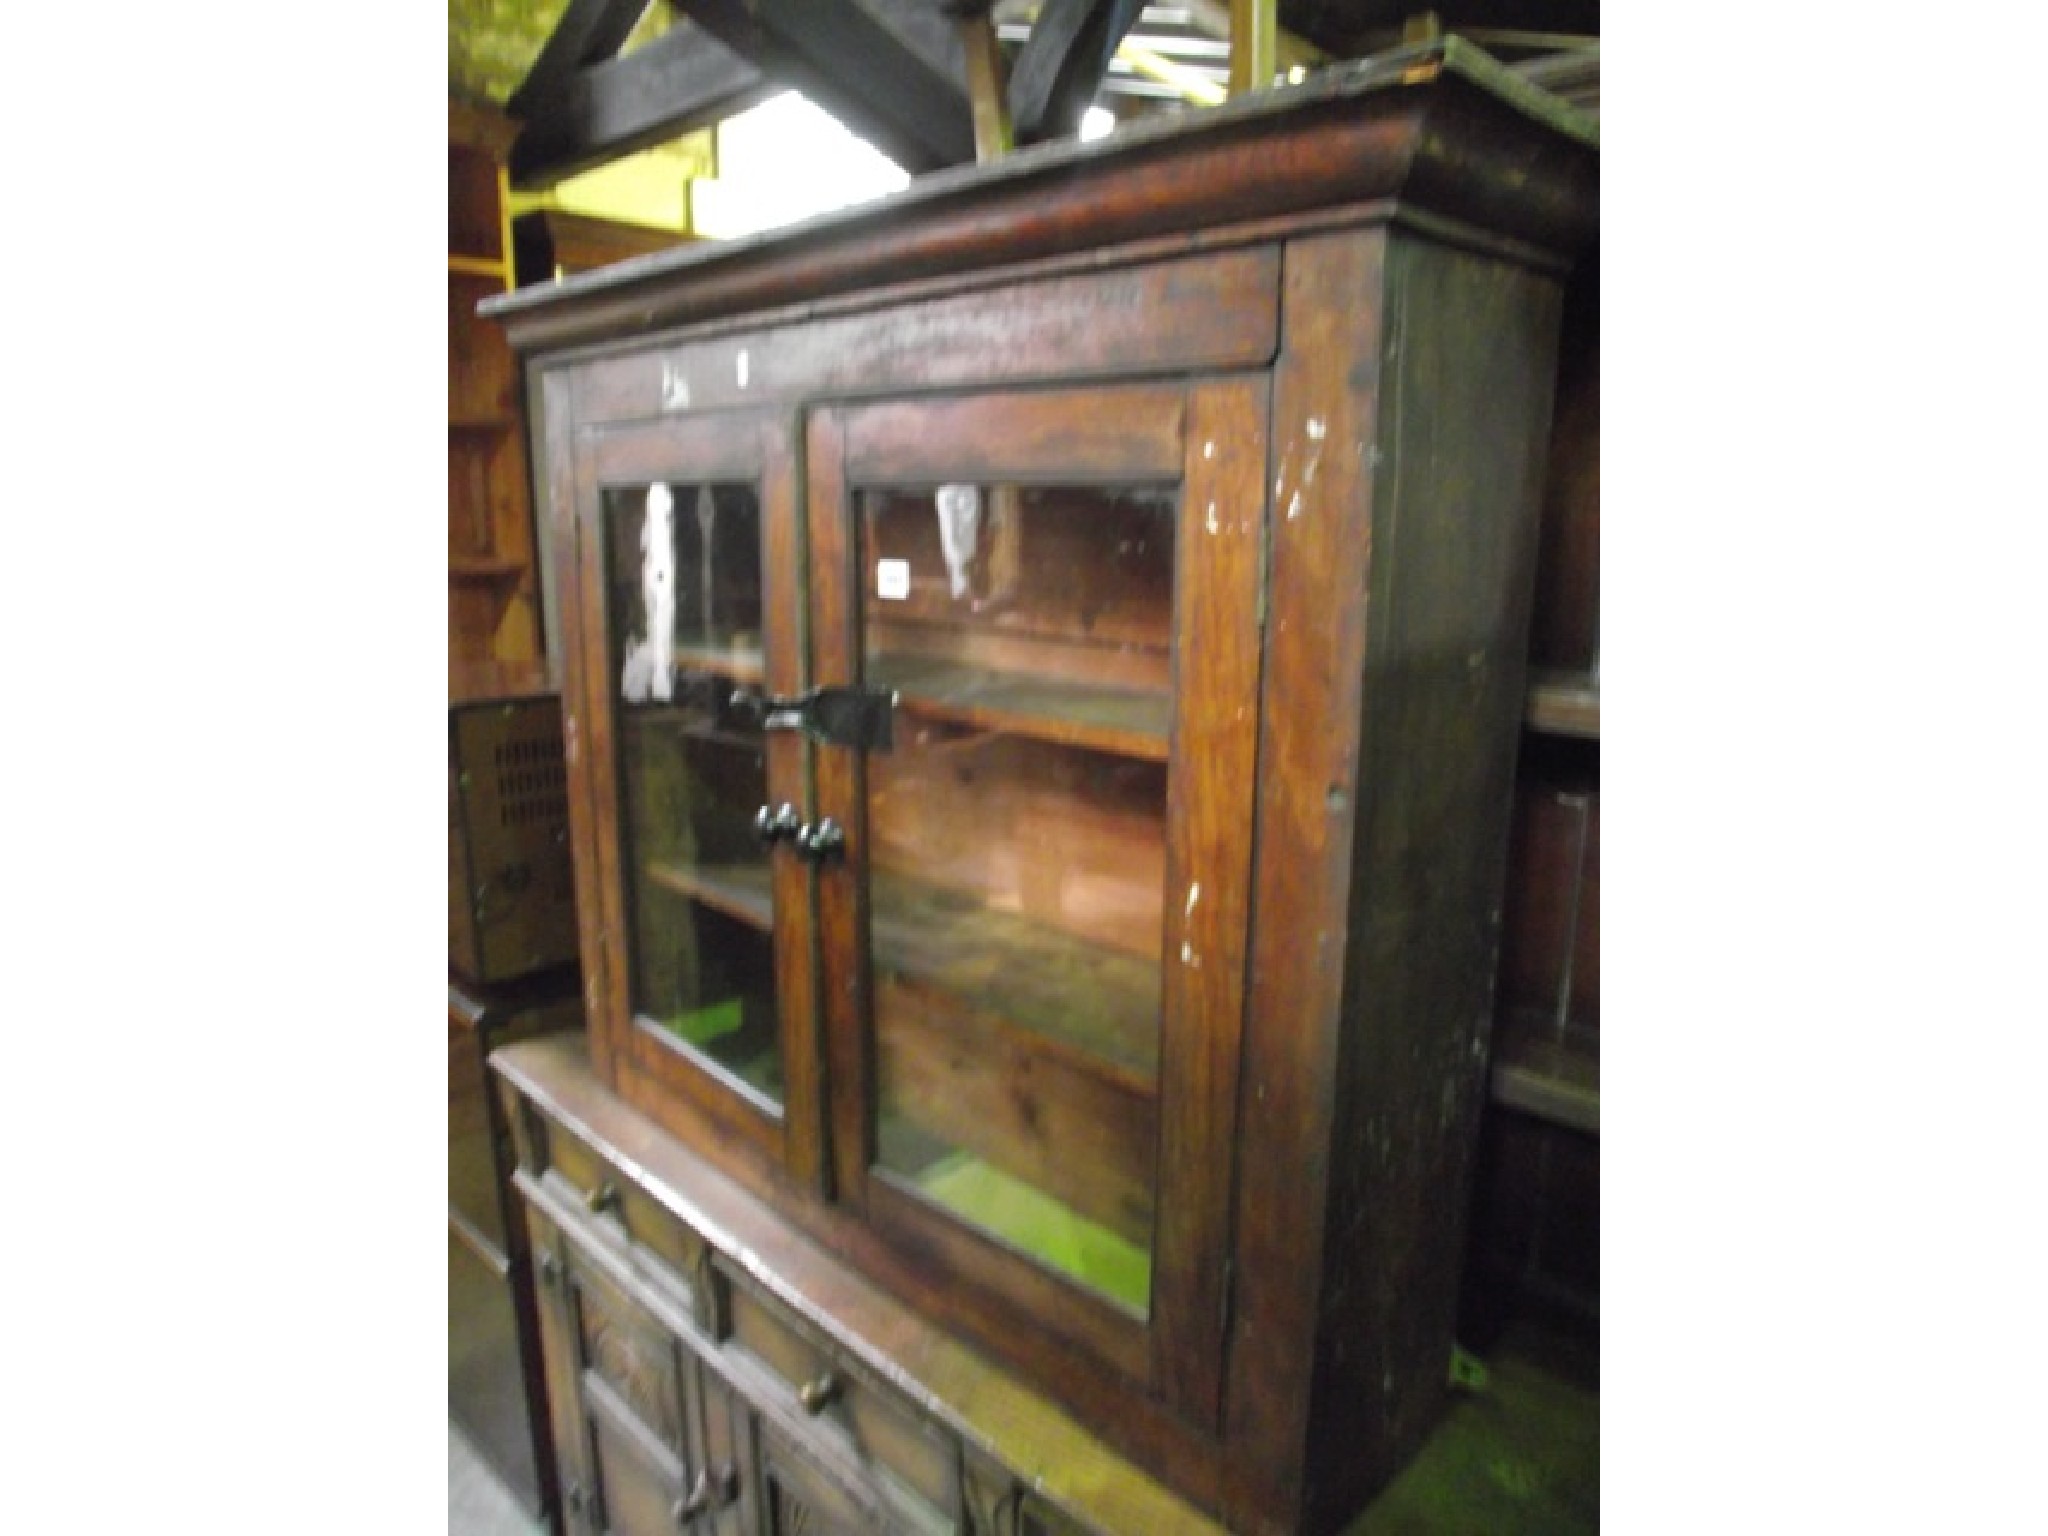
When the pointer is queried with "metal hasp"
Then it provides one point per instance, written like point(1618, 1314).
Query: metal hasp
point(863, 718)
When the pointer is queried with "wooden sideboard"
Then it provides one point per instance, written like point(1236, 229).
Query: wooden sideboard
point(1044, 659)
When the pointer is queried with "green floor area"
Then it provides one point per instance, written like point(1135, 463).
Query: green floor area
point(1518, 1456)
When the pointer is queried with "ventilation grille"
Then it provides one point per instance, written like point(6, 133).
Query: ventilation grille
point(532, 782)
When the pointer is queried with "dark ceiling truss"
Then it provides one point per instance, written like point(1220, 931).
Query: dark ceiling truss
point(1062, 63)
point(890, 70)
point(589, 32)
point(893, 71)
point(594, 111)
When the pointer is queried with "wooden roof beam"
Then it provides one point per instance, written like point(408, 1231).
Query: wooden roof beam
point(1062, 63)
point(878, 66)
point(589, 32)
point(684, 80)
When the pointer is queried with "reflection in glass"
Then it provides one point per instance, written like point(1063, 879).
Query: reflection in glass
point(1016, 841)
point(683, 595)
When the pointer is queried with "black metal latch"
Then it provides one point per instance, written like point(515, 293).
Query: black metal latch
point(862, 718)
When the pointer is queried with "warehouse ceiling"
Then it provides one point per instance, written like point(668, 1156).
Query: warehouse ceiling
point(591, 80)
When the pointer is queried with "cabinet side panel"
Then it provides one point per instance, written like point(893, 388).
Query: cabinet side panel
point(1467, 362)
point(1325, 394)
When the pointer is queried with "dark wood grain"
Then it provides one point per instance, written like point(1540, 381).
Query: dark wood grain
point(1342, 662)
point(1321, 547)
point(1056, 1119)
point(1218, 601)
point(1464, 413)
point(1120, 435)
point(644, 1064)
point(1172, 313)
point(993, 1410)
point(839, 789)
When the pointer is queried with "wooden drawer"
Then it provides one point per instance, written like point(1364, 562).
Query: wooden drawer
point(911, 1462)
point(658, 1247)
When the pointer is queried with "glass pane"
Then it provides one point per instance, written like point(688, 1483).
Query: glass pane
point(1017, 841)
point(683, 573)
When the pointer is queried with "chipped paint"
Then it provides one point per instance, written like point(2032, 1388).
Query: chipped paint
point(1209, 450)
point(1317, 431)
point(675, 387)
point(1212, 525)
point(740, 366)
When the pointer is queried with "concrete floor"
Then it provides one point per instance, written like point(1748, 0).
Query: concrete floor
point(478, 1503)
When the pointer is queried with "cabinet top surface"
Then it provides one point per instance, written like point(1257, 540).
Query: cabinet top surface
point(1441, 126)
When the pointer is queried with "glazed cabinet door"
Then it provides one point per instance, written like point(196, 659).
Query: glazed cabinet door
point(687, 569)
point(1034, 931)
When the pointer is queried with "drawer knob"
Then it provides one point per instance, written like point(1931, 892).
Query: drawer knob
point(603, 1198)
point(715, 1488)
point(817, 1392)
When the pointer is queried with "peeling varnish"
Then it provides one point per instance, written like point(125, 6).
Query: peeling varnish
point(675, 387)
point(1316, 430)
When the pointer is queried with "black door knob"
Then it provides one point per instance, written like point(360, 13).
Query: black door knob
point(823, 843)
point(778, 825)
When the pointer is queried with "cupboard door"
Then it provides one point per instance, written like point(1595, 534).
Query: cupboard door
point(688, 566)
point(1035, 931)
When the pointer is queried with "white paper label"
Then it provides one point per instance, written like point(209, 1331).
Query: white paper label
point(892, 580)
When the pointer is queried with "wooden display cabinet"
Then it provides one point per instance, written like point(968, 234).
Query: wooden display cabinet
point(1043, 660)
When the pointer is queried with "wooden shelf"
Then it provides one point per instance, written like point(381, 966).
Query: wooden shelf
point(482, 425)
point(478, 266)
point(1089, 1005)
point(1124, 721)
point(1551, 1074)
point(483, 569)
point(681, 720)
point(743, 892)
point(741, 663)
point(1564, 704)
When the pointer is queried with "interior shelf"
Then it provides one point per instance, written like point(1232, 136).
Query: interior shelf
point(1564, 703)
point(1129, 722)
point(1097, 1008)
point(476, 266)
point(744, 892)
point(483, 568)
point(1548, 1072)
point(740, 663)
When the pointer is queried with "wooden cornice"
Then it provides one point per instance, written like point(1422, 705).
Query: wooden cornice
point(1419, 128)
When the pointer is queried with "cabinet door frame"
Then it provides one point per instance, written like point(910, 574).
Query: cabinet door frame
point(756, 447)
point(1209, 438)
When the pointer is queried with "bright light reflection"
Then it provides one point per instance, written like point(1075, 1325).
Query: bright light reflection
point(783, 161)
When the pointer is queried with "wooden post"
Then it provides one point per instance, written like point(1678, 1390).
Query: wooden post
point(987, 90)
point(1254, 44)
